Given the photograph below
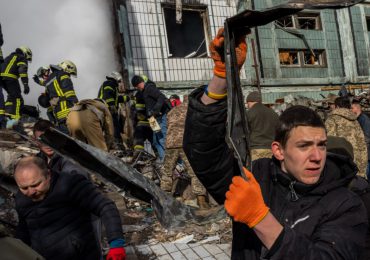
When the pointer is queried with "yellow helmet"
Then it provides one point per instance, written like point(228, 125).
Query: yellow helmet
point(26, 52)
point(68, 67)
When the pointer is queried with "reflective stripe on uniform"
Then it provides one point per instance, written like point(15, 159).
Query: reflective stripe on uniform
point(57, 88)
point(21, 63)
point(2, 111)
point(9, 75)
point(70, 93)
point(108, 88)
point(138, 147)
point(10, 65)
point(109, 100)
point(18, 108)
point(64, 77)
point(143, 123)
point(23, 75)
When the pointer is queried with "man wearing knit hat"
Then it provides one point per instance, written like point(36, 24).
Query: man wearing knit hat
point(157, 106)
point(262, 122)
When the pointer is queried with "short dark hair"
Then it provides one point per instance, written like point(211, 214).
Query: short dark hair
point(136, 80)
point(42, 125)
point(343, 102)
point(293, 117)
point(32, 160)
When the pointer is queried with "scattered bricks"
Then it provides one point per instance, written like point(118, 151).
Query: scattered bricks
point(201, 251)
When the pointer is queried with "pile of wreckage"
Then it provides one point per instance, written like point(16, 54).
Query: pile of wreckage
point(148, 214)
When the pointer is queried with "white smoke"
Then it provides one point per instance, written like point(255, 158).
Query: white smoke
point(80, 31)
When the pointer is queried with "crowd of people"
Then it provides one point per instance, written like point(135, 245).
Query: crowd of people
point(305, 195)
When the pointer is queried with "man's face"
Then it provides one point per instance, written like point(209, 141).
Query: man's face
point(356, 108)
point(304, 154)
point(140, 86)
point(32, 182)
point(43, 148)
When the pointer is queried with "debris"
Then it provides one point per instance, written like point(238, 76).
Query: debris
point(184, 240)
point(210, 239)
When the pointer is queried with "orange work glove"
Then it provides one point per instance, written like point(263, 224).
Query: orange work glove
point(217, 53)
point(244, 201)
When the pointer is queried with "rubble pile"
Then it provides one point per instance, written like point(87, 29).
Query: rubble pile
point(140, 224)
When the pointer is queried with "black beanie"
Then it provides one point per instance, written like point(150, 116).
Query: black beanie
point(136, 80)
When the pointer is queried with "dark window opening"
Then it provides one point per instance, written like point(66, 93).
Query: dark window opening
point(314, 59)
point(368, 23)
point(308, 21)
point(286, 22)
point(186, 40)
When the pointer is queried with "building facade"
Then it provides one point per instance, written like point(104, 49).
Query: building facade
point(305, 53)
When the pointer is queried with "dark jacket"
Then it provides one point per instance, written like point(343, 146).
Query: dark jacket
point(59, 227)
point(109, 92)
point(262, 122)
point(15, 66)
point(156, 102)
point(364, 121)
point(59, 163)
point(321, 221)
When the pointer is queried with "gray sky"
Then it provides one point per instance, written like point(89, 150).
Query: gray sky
point(77, 30)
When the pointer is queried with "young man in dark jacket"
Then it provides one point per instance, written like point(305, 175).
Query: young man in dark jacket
point(54, 212)
point(295, 205)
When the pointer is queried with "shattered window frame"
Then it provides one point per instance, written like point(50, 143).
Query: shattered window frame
point(285, 23)
point(292, 60)
point(319, 59)
point(308, 16)
point(197, 50)
point(297, 58)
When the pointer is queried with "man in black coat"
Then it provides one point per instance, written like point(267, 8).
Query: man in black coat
point(54, 212)
point(294, 206)
point(157, 105)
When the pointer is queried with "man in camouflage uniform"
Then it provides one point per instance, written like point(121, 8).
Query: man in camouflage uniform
point(174, 151)
point(262, 122)
point(342, 122)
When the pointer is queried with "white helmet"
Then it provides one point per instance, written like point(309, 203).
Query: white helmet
point(115, 75)
point(26, 52)
point(69, 67)
point(42, 70)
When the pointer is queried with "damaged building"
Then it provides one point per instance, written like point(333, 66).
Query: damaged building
point(308, 53)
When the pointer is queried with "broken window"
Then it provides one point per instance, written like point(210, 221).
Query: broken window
point(302, 58)
point(314, 58)
point(308, 21)
point(187, 39)
point(289, 57)
point(286, 22)
point(368, 23)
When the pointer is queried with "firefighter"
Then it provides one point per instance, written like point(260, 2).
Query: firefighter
point(40, 78)
point(2, 105)
point(60, 90)
point(142, 128)
point(15, 66)
point(109, 92)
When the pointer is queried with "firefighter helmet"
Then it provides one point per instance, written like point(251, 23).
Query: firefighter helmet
point(26, 52)
point(42, 70)
point(115, 75)
point(68, 67)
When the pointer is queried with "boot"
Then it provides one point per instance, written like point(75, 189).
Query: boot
point(202, 202)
